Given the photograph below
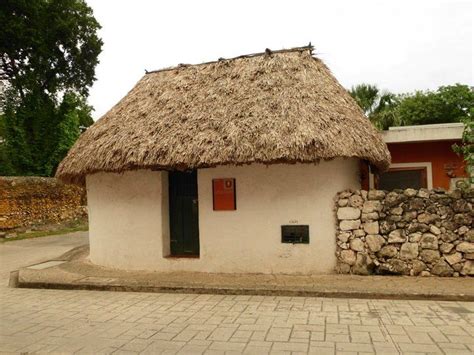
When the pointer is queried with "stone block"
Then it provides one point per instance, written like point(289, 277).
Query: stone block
point(409, 251)
point(446, 248)
point(449, 225)
point(396, 236)
point(371, 227)
point(342, 202)
point(429, 256)
point(453, 258)
point(348, 257)
point(448, 236)
point(465, 247)
point(427, 218)
point(349, 225)
point(392, 199)
point(468, 268)
point(385, 227)
point(461, 206)
point(410, 192)
point(416, 204)
point(469, 256)
point(462, 219)
point(388, 251)
point(345, 194)
point(397, 211)
point(442, 269)
point(409, 216)
point(343, 237)
point(363, 265)
point(357, 244)
point(418, 266)
point(417, 227)
point(469, 236)
point(415, 237)
point(398, 267)
point(376, 195)
point(356, 201)
point(373, 216)
point(435, 230)
point(374, 242)
point(429, 241)
point(372, 206)
point(358, 233)
point(348, 213)
point(423, 193)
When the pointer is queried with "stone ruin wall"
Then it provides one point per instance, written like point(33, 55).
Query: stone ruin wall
point(29, 202)
point(405, 232)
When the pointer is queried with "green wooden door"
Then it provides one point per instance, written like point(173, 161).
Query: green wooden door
point(184, 221)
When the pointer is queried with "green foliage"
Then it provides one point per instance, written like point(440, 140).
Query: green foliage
point(466, 148)
point(379, 107)
point(448, 104)
point(5, 165)
point(445, 105)
point(366, 96)
point(453, 103)
point(39, 133)
point(84, 112)
point(50, 45)
point(48, 53)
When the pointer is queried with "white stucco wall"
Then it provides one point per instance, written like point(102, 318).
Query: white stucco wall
point(126, 218)
point(129, 226)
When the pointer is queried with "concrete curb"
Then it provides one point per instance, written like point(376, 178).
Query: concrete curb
point(13, 281)
point(77, 273)
point(245, 291)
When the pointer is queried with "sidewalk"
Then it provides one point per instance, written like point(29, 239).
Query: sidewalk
point(78, 273)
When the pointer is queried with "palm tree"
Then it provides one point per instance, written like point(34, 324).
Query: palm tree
point(379, 107)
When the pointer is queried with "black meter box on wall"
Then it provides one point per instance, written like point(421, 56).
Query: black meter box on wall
point(295, 234)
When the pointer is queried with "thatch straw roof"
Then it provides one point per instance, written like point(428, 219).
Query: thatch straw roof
point(271, 107)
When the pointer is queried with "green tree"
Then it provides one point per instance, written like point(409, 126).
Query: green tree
point(378, 106)
point(39, 132)
point(5, 165)
point(451, 103)
point(50, 45)
point(48, 53)
point(466, 148)
point(447, 104)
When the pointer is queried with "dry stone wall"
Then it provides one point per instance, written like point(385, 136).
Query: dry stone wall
point(28, 202)
point(411, 232)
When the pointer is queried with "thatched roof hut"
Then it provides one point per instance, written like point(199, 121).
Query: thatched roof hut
point(273, 107)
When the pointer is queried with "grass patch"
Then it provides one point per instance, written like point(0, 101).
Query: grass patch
point(47, 233)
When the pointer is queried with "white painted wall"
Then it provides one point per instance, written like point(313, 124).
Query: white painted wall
point(129, 226)
point(126, 218)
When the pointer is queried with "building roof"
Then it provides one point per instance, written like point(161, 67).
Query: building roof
point(424, 133)
point(271, 107)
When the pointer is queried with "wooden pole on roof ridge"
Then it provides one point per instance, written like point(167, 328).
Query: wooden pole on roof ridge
point(267, 51)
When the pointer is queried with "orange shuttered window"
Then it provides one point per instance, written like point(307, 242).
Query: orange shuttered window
point(223, 191)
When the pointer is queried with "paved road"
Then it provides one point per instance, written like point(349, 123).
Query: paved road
point(55, 321)
point(15, 254)
point(106, 322)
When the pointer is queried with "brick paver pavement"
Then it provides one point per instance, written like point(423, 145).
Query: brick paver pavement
point(55, 321)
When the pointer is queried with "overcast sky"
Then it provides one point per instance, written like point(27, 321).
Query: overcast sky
point(398, 45)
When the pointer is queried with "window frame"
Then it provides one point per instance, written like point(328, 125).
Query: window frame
point(407, 166)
